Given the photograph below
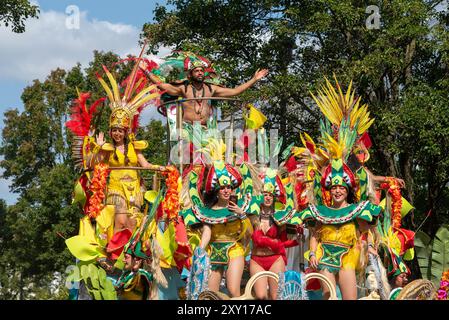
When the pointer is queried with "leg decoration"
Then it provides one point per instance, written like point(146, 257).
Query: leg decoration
point(198, 279)
point(291, 286)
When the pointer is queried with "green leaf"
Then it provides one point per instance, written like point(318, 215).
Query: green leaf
point(423, 248)
point(440, 254)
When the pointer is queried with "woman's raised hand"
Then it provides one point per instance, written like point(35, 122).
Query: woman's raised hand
point(100, 138)
point(235, 208)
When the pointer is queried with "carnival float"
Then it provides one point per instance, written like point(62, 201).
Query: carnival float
point(216, 222)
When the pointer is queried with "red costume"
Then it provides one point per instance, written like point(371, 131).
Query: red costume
point(275, 241)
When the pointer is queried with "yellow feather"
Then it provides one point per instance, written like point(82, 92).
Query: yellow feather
point(113, 85)
point(107, 89)
point(144, 100)
point(306, 138)
point(365, 127)
point(349, 93)
point(298, 150)
point(142, 93)
point(136, 85)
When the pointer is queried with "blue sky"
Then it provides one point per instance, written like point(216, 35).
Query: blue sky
point(134, 12)
point(104, 25)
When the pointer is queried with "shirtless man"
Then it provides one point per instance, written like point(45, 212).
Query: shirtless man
point(200, 110)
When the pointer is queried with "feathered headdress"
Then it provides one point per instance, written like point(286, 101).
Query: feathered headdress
point(177, 65)
point(127, 106)
point(345, 121)
point(272, 183)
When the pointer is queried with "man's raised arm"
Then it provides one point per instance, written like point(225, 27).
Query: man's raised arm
point(228, 92)
point(170, 89)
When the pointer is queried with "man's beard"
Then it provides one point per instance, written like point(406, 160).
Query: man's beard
point(197, 80)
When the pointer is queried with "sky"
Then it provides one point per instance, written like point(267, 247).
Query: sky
point(58, 39)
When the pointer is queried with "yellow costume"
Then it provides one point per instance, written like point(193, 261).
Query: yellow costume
point(338, 246)
point(344, 235)
point(226, 241)
point(124, 189)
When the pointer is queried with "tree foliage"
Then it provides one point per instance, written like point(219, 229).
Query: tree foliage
point(15, 12)
point(36, 150)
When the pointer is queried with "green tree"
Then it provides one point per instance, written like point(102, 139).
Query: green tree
point(15, 12)
point(36, 150)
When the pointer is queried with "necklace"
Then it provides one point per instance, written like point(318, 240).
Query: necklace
point(198, 103)
point(264, 214)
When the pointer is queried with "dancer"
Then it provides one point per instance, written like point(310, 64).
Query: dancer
point(224, 222)
point(199, 81)
point(270, 236)
point(336, 217)
point(116, 237)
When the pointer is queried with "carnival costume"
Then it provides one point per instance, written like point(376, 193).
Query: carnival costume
point(228, 229)
point(175, 70)
point(99, 251)
point(125, 186)
point(338, 232)
point(271, 244)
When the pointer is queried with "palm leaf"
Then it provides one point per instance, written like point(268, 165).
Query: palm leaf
point(286, 153)
point(277, 149)
point(440, 254)
point(423, 249)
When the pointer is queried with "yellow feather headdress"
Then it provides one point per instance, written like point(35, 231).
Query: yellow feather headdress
point(346, 118)
point(125, 107)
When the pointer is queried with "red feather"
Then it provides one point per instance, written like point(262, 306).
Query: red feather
point(310, 146)
point(81, 116)
point(290, 165)
point(366, 140)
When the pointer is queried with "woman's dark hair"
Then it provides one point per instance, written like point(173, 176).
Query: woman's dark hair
point(353, 163)
point(210, 198)
point(351, 196)
point(125, 141)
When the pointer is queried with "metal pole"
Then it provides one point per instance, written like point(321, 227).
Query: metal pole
point(231, 128)
point(179, 127)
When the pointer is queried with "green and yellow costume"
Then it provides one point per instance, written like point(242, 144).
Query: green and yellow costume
point(337, 230)
point(229, 230)
point(338, 234)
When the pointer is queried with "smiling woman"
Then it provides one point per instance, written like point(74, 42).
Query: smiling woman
point(223, 223)
point(341, 220)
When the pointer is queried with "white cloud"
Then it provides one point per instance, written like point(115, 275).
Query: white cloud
point(48, 43)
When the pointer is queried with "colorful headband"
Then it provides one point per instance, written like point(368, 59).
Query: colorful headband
point(338, 174)
point(222, 174)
